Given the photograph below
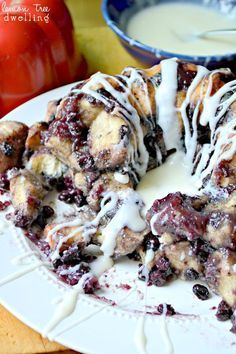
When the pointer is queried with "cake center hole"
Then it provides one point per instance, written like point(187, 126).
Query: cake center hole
point(173, 176)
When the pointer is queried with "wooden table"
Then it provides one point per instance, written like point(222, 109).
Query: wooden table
point(15, 337)
point(104, 53)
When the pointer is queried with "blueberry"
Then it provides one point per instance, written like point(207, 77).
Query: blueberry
point(152, 242)
point(170, 311)
point(79, 199)
point(21, 220)
point(191, 274)
point(202, 257)
point(161, 272)
point(57, 263)
point(67, 196)
point(201, 292)
point(4, 205)
point(71, 195)
point(224, 312)
point(68, 182)
point(47, 211)
point(72, 256)
point(85, 160)
point(41, 221)
point(60, 185)
point(4, 181)
point(124, 132)
point(135, 256)
point(7, 149)
point(91, 285)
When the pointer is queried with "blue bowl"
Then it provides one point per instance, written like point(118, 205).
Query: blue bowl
point(116, 13)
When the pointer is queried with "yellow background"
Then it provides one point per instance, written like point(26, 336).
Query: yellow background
point(99, 45)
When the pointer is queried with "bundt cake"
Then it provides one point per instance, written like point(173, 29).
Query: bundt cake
point(95, 146)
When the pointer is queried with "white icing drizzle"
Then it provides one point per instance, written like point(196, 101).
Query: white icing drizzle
point(28, 268)
point(65, 308)
point(62, 240)
point(60, 226)
point(140, 338)
point(121, 178)
point(138, 155)
point(66, 305)
point(223, 142)
point(75, 323)
point(101, 265)
point(131, 203)
point(211, 103)
point(133, 77)
point(128, 215)
point(71, 269)
point(160, 181)
point(5, 196)
point(165, 332)
point(149, 256)
point(157, 217)
point(182, 256)
point(190, 140)
point(166, 106)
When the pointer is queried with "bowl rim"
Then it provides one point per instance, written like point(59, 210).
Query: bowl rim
point(157, 52)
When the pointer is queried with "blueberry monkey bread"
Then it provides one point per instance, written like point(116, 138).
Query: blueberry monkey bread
point(97, 143)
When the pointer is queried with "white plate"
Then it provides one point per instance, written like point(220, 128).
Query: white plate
point(110, 329)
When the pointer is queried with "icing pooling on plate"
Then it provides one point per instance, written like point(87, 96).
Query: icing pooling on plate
point(100, 265)
point(157, 183)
